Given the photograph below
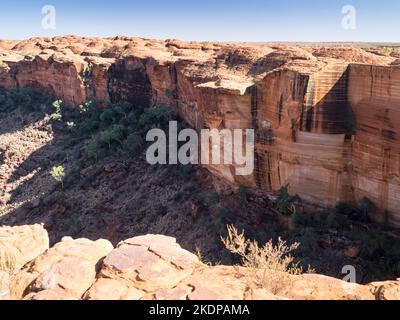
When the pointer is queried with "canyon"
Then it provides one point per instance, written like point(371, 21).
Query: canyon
point(325, 117)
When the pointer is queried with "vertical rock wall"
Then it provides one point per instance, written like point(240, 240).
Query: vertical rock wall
point(374, 96)
point(302, 123)
point(330, 132)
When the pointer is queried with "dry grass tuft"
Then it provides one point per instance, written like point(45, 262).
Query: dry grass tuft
point(273, 265)
point(8, 259)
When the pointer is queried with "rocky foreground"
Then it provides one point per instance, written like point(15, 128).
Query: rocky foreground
point(151, 267)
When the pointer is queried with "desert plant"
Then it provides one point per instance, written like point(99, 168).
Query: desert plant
point(214, 198)
point(25, 100)
point(365, 207)
point(285, 202)
point(242, 191)
point(202, 260)
point(71, 125)
point(345, 209)
point(114, 134)
point(56, 115)
point(273, 265)
point(156, 117)
point(171, 93)
point(87, 107)
point(91, 150)
point(8, 259)
point(134, 143)
point(58, 174)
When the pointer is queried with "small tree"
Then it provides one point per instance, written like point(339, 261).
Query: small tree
point(114, 134)
point(58, 174)
point(365, 207)
point(57, 115)
point(285, 202)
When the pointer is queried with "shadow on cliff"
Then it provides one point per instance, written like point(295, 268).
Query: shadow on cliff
point(333, 113)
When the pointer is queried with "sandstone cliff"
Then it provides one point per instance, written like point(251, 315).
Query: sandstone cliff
point(151, 267)
point(325, 117)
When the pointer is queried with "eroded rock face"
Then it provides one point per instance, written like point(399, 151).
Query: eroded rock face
point(155, 267)
point(325, 118)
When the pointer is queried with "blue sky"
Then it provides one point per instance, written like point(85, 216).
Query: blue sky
point(218, 20)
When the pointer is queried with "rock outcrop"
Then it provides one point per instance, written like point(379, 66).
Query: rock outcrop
point(154, 267)
point(18, 246)
point(325, 117)
point(65, 271)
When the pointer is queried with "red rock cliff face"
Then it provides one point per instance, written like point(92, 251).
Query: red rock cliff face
point(325, 118)
point(374, 96)
point(303, 133)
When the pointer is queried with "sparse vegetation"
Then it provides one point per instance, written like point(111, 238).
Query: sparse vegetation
point(25, 100)
point(119, 127)
point(242, 192)
point(56, 115)
point(112, 135)
point(273, 264)
point(8, 260)
point(285, 203)
point(58, 174)
point(171, 93)
point(381, 251)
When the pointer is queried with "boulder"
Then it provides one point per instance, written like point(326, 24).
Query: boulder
point(67, 270)
point(148, 263)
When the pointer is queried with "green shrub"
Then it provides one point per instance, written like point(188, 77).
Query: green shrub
point(215, 198)
point(112, 135)
point(116, 113)
point(171, 93)
point(58, 174)
point(89, 107)
point(71, 125)
point(26, 100)
point(134, 143)
point(242, 191)
point(365, 209)
point(360, 213)
point(57, 115)
point(345, 209)
point(93, 149)
point(156, 117)
point(381, 250)
point(285, 202)
point(302, 220)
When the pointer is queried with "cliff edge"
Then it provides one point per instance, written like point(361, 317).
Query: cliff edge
point(151, 267)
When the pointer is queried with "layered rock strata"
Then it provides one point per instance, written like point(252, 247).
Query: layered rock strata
point(325, 118)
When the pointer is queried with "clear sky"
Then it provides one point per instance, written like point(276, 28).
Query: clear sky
point(213, 20)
